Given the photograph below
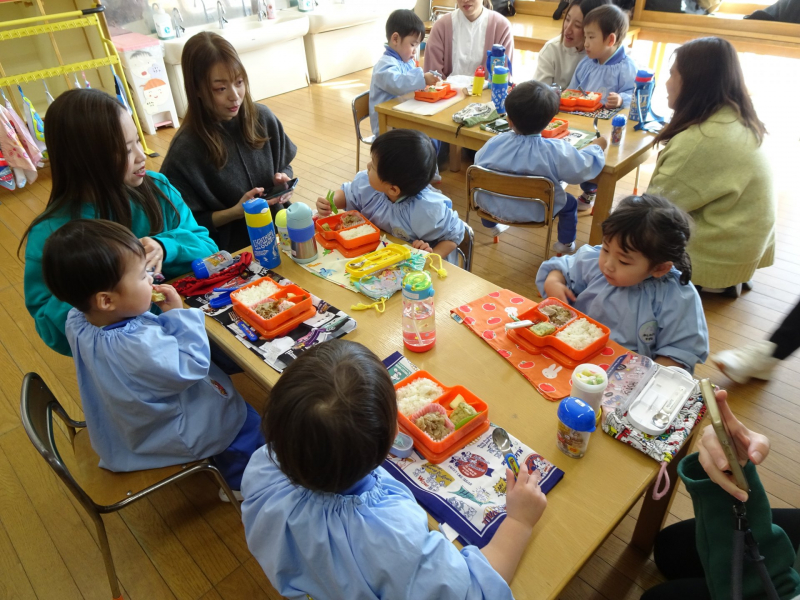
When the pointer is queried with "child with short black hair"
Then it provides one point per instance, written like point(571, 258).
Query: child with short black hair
point(394, 193)
point(396, 72)
point(605, 69)
point(637, 282)
point(325, 520)
point(530, 106)
point(151, 395)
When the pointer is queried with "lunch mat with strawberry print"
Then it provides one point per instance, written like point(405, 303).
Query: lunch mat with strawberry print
point(487, 318)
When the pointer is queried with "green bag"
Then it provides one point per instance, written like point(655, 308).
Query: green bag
point(475, 113)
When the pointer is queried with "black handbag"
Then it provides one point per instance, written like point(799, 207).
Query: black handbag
point(504, 7)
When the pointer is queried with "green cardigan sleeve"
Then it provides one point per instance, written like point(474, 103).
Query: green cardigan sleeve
point(183, 239)
point(49, 313)
point(713, 509)
point(673, 164)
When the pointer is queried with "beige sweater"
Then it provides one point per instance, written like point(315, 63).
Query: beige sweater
point(718, 173)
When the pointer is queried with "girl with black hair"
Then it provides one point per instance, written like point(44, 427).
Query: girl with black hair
point(637, 282)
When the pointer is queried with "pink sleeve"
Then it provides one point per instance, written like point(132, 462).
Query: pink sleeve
point(436, 58)
point(499, 32)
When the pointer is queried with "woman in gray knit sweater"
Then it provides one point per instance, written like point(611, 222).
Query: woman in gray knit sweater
point(228, 149)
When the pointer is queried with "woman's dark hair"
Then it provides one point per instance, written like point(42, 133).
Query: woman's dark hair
point(404, 22)
point(610, 19)
point(332, 416)
point(711, 78)
point(531, 105)
point(88, 162)
point(200, 54)
point(655, 227)
point(87, 256)
point(406, 158)
point(586, 7)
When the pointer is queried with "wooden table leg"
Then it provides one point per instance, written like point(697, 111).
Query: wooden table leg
point(654, 512)
point(382, 123)
point(606, 184)
point(455, 158)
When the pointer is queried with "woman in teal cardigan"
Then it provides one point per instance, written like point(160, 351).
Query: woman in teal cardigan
point(97, 167)
point(714, 168)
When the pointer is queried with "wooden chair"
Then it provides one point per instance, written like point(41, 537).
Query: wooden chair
point(99, 491)
point(465, 248)
point(361, 112)
point(518, 187)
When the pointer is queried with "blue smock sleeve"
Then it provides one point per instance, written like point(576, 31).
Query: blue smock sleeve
point(170, 358)
point(577, 269)
point(357, 191)
point(392, 79)
point(576, 166)
point(433, 221)
point(183, 239)
point(683, 332)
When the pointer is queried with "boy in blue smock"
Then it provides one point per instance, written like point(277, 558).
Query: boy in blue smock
point(637, 282)
point(396, 72)
point(605, 69)
point(325, 520)
point(523, 151)
point(151, 395)
point(394, 193)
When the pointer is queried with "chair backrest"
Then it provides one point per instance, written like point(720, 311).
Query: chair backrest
point(37, 405)
point(360, 111)
point(519, 187)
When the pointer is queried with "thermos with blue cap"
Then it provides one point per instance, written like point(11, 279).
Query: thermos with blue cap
point(262, 233)
point(576, 422)
point(300, 225)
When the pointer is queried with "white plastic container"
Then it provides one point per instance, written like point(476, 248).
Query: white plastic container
point(591, 393)
point(659, 403)
point(163, 23)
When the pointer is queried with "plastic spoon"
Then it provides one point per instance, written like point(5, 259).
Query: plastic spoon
point(519, 324)
point(500, 439)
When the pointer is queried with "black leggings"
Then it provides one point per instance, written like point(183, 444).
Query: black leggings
point(676, 557)
point(787, 336)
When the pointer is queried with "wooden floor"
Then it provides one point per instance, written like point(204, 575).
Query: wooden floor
point(183, 543)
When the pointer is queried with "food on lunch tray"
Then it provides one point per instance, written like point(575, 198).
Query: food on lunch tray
point(270, 308)
point(416, 395)
point(349, 220)
point(456, 401)
point(357, 232)
point(590, 377)
point(570, 94)
point(558, 315)
point(251, 296)
point(432, 419)
point(157, 296)
point(462, 414)
point(580, 334)
point(554, 125)
point(544, 328)
point(326, 227)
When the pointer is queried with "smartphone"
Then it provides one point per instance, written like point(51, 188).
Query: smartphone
point(279, 190)
point(724, 436)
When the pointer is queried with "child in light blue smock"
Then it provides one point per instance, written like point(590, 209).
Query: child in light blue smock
point(151, 395)
point(637, 282)
point(529, 108)
point(326, 521)
point(396, 72)
point(395, 195)
point(606, 69)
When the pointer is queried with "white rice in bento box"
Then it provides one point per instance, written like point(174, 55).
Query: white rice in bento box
point(257, 293)
point(416, 395)
point(357, 232)
point(580, 334)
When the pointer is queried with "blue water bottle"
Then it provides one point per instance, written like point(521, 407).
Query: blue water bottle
point(496, 57)
point(640, 103)
point(500, 89)
point(262, 233)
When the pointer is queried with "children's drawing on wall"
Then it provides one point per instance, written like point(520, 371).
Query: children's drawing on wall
point(156, 94)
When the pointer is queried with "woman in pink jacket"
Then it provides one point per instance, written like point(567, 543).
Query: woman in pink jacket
point(458, 41)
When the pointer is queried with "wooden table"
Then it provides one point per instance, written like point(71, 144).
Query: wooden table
point(635, 148)
point(597, 491)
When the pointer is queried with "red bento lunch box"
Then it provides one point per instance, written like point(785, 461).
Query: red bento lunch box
point(550, 345)
point(577, 100)
point(441, 91)
point(332, 240)
point(284, 321)
point(432, 450)
point(560, 130)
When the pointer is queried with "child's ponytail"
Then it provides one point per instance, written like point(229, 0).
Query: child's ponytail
point(655, 227)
